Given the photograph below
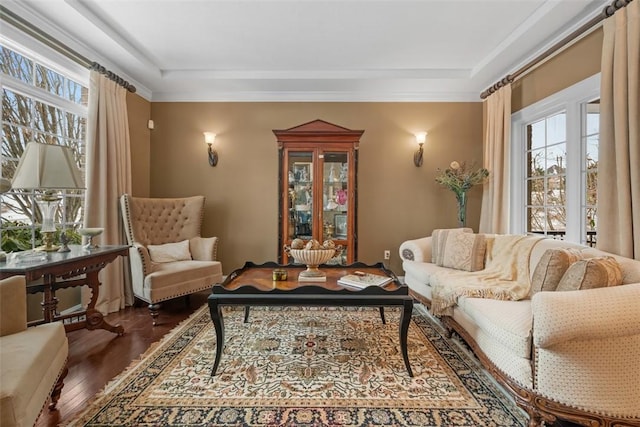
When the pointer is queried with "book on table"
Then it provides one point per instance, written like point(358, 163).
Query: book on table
point(361, 280)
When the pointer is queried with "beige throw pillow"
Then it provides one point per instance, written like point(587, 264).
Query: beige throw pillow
point(464, 251)
point(590, 273)
point(551, 267)
point(170, 252)
point(439, 242)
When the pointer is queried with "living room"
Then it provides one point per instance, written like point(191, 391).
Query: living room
point(396, 200)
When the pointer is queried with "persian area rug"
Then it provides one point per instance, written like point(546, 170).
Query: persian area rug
point(294, 366)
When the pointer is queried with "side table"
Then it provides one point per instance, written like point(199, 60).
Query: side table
point(63, 270)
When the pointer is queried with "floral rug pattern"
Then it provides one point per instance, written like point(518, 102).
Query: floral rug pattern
point(303, 366)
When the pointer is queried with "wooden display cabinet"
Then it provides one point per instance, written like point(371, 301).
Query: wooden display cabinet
point(318, 191)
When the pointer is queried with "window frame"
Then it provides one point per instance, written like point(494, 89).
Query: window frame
point(39, 53)
point(572, 101)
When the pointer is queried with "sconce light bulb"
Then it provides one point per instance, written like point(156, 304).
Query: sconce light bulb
point(209, 137)
point(421, 137)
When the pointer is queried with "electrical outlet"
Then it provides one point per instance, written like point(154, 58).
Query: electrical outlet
point(387, 254)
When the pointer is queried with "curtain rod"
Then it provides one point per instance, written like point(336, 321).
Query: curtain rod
point(29, 29)
point(607, 11)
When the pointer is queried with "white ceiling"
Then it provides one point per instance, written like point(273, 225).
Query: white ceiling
point(309, 50)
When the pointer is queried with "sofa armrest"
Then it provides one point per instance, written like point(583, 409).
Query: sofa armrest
point(13, 305)
point(416, 250)
point(592, 314)
point(586, 345)
point(203, 248)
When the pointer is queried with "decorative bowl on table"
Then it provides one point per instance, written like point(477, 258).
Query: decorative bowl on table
point(312, 255)
point(90, 233)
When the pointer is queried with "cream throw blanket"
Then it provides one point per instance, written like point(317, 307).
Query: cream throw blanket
point(505, 276)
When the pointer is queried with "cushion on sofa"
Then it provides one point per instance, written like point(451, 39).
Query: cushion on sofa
point(439, 240)
point(460, 250)
point(591, 273)
point(551, 267)
point(464, 251)
point(509, 322)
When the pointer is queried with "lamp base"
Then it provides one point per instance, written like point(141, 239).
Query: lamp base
point(47, 239)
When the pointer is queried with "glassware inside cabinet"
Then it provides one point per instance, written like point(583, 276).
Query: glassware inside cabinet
point(300, 179)
point(335, 198)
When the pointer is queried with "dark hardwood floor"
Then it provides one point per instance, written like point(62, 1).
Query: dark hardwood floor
point(96, 357)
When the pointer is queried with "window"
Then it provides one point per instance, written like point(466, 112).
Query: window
point(555, 160)
point(45, 102)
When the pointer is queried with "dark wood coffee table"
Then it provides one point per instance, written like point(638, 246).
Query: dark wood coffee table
point(254, 285)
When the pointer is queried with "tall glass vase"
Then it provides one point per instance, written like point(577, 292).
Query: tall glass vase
point(461, 198)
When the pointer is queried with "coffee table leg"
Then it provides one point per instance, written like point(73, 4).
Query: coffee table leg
point(246, 313)
point(405, 319)
point(218, 323)
point(384, 321)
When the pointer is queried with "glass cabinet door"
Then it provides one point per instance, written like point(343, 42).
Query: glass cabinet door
point(335, 201)
point(300, 180)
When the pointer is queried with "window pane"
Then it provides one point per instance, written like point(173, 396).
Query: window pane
point(49, 118)
point(592, 152)
point(57, 84)
point(16, 108)
point(536, 162)
point(16, 65)
point(536, 132)
point(556, 161)
point(557, 128)
point(593, 117)
point(535, 192)
point(535, 219)
point(591, 195)
point(556, 219)
point(14, 138)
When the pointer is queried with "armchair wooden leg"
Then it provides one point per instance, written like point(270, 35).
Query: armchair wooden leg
point(154, 311)
point(57, 389)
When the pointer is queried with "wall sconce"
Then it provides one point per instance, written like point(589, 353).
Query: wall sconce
point(209, 139)
point(417, 156)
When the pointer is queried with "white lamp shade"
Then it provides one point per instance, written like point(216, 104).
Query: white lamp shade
point(47, 166)
point(421, 137)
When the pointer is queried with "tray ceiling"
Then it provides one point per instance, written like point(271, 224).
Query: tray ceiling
point(309, 50)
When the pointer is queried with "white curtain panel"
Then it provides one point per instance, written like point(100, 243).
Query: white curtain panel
point(108, 175)
point(619, 149)
point(494, 216)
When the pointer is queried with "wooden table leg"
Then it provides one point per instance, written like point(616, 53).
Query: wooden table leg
point(218, 323)
point(384, 321)
point(95, 319)
point(405, 319)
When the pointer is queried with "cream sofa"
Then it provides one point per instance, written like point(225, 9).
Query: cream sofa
point(33, 361)
point(572, 355)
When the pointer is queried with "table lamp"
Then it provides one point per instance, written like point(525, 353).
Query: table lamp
point(47, 168)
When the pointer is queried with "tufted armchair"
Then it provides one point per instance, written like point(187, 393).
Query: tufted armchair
point(168, 256)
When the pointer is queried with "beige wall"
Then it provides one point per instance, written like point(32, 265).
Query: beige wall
point(139, 110)
point(396, 200)
point(574, 64)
